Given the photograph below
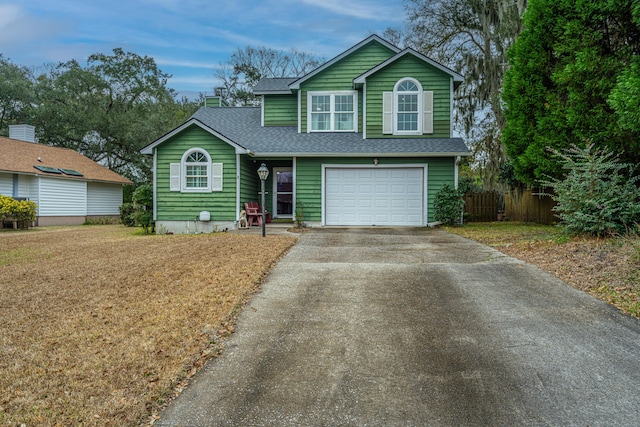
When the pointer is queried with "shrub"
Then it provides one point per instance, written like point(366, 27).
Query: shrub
point(448, 205)
point(140, 210)
point(143, 205)
point(299, 223)
point(23, 211)
point(127, 212)
point(598, 196)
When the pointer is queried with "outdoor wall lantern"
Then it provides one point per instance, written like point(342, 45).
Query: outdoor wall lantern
point(375, 161)
point(263, 173)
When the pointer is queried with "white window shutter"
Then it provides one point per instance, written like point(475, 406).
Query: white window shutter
point(387, 112)
point(174, 177)
point(216, 177)
point(427, 112)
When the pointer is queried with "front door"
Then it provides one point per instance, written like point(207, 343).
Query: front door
point(283, 192)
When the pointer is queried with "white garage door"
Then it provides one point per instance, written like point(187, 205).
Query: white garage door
point(374, 196)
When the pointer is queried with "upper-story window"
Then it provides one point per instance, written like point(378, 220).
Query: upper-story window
point(332, 111)
point(195, 173)
point(408, 110)
point(407, 98)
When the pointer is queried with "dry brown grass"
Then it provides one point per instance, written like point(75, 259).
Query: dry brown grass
point(606, 268)
point(99, 326)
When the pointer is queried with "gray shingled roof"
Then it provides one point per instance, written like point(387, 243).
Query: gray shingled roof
point(242, 126)
point(273, 85)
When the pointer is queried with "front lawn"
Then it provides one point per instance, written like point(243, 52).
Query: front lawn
point(606, 268)
point(100, 326)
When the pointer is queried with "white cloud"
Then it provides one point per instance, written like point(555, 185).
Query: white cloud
point(174, 62)
point(359, 9)
point(18, 29)
point(199, 81)
point(9, 13)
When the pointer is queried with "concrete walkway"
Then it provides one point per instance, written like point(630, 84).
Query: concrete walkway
point(415, 327)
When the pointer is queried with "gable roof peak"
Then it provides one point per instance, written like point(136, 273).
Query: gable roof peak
point(457, 78)
point(372, 38)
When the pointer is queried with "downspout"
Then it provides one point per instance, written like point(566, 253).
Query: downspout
point(364, 111)
point(237, 187)
point(295, 191)
point(451, 89)
point(155, 183)
point(300, 111)
point(455, 179)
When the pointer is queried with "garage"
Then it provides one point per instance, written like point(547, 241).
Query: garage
point(374, 196)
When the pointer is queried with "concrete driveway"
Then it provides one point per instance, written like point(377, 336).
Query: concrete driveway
point(415, 327)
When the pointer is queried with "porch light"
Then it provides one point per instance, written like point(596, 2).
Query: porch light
point(263, 173)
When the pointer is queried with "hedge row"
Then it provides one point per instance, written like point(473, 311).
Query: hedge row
point(12, 209)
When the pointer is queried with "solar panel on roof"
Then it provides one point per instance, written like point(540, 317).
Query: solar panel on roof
point(47, 169)
point(72, 172)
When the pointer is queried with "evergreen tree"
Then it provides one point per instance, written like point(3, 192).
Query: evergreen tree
point(570, 70)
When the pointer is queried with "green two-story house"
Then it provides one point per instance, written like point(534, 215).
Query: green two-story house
point(365, 139)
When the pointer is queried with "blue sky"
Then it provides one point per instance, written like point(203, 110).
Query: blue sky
point(187, 38)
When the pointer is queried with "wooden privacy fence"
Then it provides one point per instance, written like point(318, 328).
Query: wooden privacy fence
point(527, 206)
point(515, 205)
point(481, 207)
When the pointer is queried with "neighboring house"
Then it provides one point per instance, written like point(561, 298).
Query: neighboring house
point(67, 187)
point(365, 139)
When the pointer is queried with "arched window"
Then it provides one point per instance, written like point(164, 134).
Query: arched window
point(408, 103)
point(408, 110)
point(195, 173)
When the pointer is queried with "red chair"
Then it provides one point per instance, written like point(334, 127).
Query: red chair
point(254, 214)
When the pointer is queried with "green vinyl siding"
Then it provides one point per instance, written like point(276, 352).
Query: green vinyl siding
point(440, 171)
point(280, 110)
point(177, 206)
point(249, 182)
point(429, 77)
point(340, 76)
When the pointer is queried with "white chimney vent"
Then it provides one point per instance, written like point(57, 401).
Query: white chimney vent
point(22, 132)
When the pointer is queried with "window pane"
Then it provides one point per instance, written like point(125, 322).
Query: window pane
point(320, 103)
point(408, 103)
point(196, 157)
point(407, 86)
point(196, 182)
point(344, 121)
point(197, 170)
point(284, 181)
point(408, 121)
point(285, 204)
point(196, 176)
point(344, 103)
point(321, 121)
